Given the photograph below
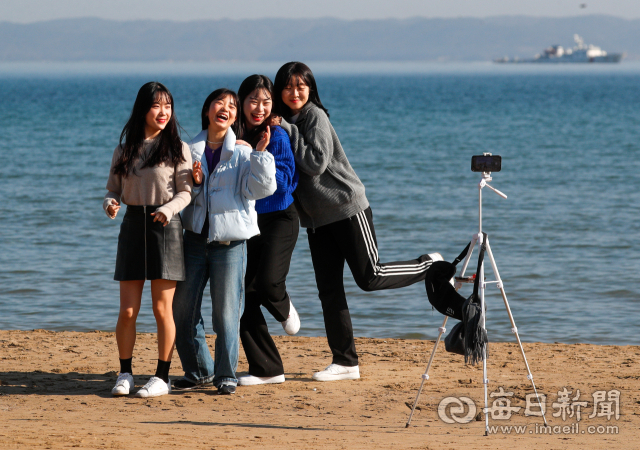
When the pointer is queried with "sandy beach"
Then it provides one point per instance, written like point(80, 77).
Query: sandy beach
point(55, 393)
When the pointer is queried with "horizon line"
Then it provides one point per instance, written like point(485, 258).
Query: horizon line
point(61, 19)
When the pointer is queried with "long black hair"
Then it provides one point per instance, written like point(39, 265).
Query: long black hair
point(283, 77)
point(168, 146)
point(215, 95)
point(250, 84)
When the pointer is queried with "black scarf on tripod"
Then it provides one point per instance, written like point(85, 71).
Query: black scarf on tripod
point(468, 337)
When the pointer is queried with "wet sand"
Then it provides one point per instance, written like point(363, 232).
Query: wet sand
point(55, 393)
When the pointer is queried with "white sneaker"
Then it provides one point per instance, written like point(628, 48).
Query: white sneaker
point(335, 372)
point(155, 387)
point(292, 324)
point(436, 257)
point(123, 385)
point(250, 380)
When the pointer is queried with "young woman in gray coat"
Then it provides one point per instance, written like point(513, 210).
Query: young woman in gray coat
point(332, 206)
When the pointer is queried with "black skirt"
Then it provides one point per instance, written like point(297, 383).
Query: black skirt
point(147, 250)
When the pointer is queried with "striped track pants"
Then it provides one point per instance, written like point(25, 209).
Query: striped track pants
point(354, 240)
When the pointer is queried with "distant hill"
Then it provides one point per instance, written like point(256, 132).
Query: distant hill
point(417, 39)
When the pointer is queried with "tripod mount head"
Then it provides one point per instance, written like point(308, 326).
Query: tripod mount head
point(487, 163)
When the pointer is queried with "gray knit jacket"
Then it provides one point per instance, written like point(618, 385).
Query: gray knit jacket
point(329, 189)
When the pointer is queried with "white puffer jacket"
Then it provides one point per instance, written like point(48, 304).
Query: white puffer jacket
point(229, 193)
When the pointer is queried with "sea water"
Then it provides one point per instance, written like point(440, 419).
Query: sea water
point(565, 241)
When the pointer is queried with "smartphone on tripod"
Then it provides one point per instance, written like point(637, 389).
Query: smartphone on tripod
point(486, 163)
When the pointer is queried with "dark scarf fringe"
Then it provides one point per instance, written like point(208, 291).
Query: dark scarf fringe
point(475, 336)
point(468, 337)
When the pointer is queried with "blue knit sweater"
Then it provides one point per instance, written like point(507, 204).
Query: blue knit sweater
point(286, 173)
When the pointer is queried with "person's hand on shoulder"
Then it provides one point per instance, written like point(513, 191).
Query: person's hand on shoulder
point(245, 143)
point(275, 121)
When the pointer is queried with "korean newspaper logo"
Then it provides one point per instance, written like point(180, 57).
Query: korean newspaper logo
point(570, 406)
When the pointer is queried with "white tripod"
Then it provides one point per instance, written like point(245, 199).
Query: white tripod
point(478, 238)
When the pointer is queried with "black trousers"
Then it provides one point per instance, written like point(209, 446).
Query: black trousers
point(353, 240)
point(268, 261)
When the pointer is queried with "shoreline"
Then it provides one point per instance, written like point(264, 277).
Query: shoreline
point(55, 393)
point(284, 335)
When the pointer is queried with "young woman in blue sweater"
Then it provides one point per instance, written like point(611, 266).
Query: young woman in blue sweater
point(269, 253)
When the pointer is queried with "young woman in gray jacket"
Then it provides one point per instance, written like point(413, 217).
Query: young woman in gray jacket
point(332, 205)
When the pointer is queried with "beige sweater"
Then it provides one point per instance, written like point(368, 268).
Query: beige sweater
point(163, 184)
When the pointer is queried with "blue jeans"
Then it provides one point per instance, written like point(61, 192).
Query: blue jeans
point(224, 266)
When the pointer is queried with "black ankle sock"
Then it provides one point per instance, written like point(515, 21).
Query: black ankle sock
point(163, 370)
point(125, 366)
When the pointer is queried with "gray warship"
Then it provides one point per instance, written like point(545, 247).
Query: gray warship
point(580, 53)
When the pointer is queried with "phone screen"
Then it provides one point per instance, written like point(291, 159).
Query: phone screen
point(486, 163)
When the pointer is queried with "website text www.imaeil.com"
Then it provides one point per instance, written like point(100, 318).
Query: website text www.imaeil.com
point(574, 428)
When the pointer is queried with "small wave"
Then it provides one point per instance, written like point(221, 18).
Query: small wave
point(20, 272)
point(621, 293)
point(23, 291)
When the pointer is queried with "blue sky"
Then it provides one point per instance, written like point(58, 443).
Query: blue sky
point(25, 11)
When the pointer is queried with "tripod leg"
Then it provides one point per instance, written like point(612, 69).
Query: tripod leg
point(465, 264)
point(514, 329)
point(474, 240)
point(425, 375)
point(485, 380)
